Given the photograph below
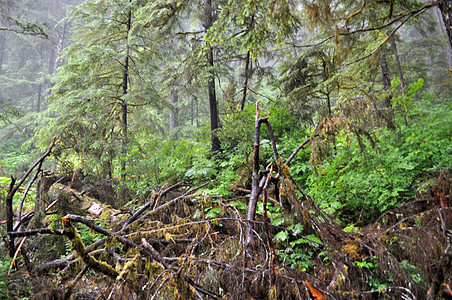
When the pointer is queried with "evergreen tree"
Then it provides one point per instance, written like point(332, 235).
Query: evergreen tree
point(106, 76)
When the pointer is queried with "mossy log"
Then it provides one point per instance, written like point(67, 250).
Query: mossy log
point(77, 245)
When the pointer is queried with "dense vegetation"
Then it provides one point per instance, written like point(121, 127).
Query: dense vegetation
point(225, 149)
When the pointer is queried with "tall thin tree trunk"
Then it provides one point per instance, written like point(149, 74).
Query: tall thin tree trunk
point(328, 102)
point(245, 83)
point(247, 69)
point(192, 112)
point(173, 116)
point(446, 11)
point(2, 54)
point(2, 49)
point(442, 30)
point(59, 49)
point(38, 104)
point(214, 122)
point(386, 78)
point(125, 82)
point(386, 84)
point(399, 65)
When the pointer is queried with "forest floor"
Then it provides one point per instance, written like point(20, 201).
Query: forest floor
point(181, 243)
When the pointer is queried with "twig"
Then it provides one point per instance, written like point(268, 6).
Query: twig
point(155, 198)
point(12, 190)
point(19, 210)
point(71, 284)
point(35, 232)
point(267, 229)
point(159, 288)
point(157, 255)
point(410, 15)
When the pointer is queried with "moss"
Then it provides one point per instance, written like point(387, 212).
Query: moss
point(285, 170)
point(77, 245)
point(272, 293)
point(152, 268)
point(129, 267)
point(351, 249)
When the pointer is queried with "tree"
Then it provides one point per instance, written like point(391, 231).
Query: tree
point(28, 35)
point(213, 106)
point(445, 7)
point(105, 77)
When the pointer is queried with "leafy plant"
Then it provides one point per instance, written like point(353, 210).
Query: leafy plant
point(298, 252)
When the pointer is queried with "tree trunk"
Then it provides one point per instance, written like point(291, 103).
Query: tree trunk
point(173, 116)
point(125, 85)
point(386, 85)
point(214, 122)
point(247, 69)
point(2, 53)
point(38, 104)
point(446, 11)
point(399, 65)
point(2, 49)
point(386, 78)
point(59, 49)
point(442, 30)
point(10, 215)
point(245, 84)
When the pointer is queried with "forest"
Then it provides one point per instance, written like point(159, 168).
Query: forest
point(213, 149)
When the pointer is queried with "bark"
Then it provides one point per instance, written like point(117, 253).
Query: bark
point(38, 103)
point(59, 49)
point(399, 65)
point(125, 83)
point(445, 7)
point(153, 200)
point(386, 79)
point(255, 190)
point(213, 106)
point(35, 232)
point(258, 185)
point(247, 68)
point(145, 249)
point(442, 30)
point(173, 116)
point(19, 210)
point(2, 54)
point(2, 49)
point(12, 191)
point(10, 215)
point(269, 235)
point(90, 223)
point(386, 85)
point(77, 244)
point(443, 268)
point(214, 123)
point(245, 84)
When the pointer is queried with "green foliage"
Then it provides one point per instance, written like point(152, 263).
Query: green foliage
point(413, 270)
point(297, 252)
point(402, 102)
point(15, 285)
point(4, 266)
point(87, 235)
point(360, 185)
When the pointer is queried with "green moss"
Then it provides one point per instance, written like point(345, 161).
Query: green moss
point(79, 247)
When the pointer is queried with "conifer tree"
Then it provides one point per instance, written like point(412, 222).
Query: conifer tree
point(104, 78)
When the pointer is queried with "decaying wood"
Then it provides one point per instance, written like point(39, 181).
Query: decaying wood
point(259, 178)
point(269, 235)
point(445, 264)
point(196, 255)
point(154, 200)
point(12, 191)
point(71, 233)
point(16, 234)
